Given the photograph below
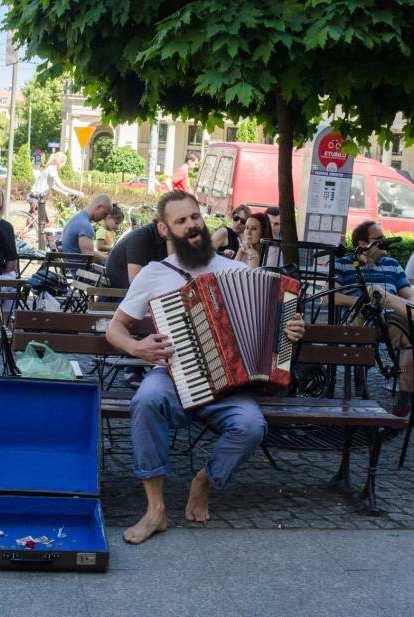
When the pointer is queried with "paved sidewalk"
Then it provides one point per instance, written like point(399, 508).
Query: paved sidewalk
point(230, 573)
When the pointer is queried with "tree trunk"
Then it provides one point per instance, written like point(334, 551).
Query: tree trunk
point(286, 196)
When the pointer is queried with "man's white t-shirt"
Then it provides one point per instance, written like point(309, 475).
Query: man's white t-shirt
point(45, 180)
point(155, 280)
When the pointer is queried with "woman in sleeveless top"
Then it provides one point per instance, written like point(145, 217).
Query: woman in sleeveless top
point(226, 240)
point(258, 227)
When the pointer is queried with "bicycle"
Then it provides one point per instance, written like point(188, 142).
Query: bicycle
point(26, 222)
point(368, 311)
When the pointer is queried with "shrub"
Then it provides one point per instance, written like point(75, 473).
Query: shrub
point(22, 165)
point(247, 131)
point(124, 160)
point(67, 172)
point(102, 148)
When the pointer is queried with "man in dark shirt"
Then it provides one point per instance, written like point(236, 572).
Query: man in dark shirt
point(8, 253)
point(8, 256)
point(133, 252)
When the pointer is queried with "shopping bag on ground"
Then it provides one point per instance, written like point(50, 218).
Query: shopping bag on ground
point(49, 365)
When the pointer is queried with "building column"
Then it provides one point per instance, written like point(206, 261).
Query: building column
point(204, 144)
point(386, 158)
point(169, 150)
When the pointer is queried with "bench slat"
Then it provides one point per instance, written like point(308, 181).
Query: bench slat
point(73, 322)
point(349, 356)
point(55, 321)
point(111, 292)
point(66, 343)
point(338, 335)
point(103, 306)
point(336, 416)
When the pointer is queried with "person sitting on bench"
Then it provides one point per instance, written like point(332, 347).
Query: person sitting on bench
point(155, 407)
point(385, 275)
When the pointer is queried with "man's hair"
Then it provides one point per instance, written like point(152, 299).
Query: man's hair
point(191, 157)
point(362, 232)
point(101, 200)
point(117, 213)
point(242, 208)
point(273, 211)
point(266, 228)
point(171, 196)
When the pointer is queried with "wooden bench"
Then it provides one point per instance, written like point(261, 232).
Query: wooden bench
point(333, 346)
point(95, 303)
point(71, 333)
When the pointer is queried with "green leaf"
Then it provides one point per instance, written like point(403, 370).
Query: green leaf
point(242, 91)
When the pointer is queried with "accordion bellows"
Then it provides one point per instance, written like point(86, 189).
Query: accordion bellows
point(227, 330)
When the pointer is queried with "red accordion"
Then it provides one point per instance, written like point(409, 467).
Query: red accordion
point(227, 330)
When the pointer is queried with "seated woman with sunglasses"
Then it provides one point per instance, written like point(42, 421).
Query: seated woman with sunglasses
point(226, 240)
point(258, 227)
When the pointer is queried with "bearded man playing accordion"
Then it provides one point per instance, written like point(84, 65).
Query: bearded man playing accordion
point(156, 408)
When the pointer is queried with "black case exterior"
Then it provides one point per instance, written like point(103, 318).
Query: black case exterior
point(54, 561)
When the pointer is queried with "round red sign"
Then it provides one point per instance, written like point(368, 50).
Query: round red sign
point(329, 151)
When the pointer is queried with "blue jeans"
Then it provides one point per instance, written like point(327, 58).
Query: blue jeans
point(155, 409)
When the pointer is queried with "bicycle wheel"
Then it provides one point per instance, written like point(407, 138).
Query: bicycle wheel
point(387, 353)
point(25, 226)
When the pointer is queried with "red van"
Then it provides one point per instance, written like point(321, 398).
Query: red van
point(240, 173)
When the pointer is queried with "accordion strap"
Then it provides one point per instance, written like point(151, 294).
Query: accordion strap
point(186, 275)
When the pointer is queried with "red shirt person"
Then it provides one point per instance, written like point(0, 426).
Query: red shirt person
point(180, 180)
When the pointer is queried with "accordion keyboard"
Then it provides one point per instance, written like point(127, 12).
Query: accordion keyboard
point(284, 356)
point(187, 363)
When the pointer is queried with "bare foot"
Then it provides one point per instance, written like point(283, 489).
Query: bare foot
point(146, 527)
point(197, 505)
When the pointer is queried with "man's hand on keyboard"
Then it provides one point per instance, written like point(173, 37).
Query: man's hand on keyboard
point(153, 348)
point(295, 328)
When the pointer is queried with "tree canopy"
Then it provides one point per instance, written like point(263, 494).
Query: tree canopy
point(284, 63)
point(45, 99)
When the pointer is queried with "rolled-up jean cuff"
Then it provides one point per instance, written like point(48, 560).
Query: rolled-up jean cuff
point(218, 486)
point(165, 470)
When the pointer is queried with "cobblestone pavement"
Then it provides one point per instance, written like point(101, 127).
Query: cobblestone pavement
point(294, 496)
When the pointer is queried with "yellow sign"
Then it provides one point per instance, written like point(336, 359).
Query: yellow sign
point(84, 134)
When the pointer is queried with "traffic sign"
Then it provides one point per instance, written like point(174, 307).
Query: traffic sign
point(53, 144)
point(84, 134)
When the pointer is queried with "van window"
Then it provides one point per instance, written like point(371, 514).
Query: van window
point(222, 178)
point(395, 199)
point(205, 178)
point(357, 197)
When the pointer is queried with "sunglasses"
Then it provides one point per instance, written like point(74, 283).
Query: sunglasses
point(238, 219)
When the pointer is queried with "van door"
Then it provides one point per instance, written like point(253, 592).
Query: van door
point(206, 177)
point(359, 203)
point(221, 188)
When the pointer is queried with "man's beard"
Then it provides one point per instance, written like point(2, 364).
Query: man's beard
point(192, 256)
